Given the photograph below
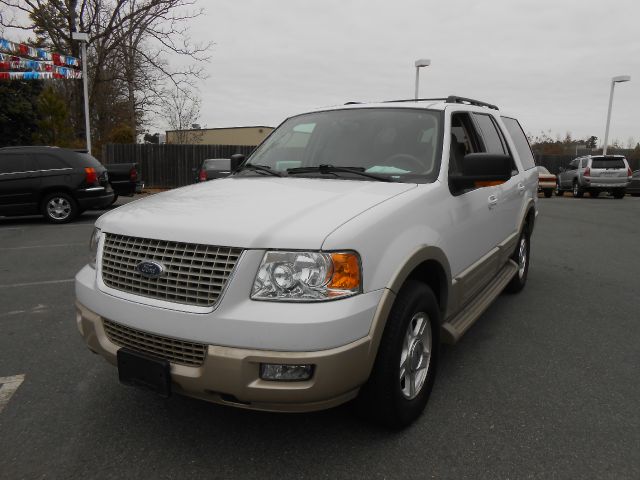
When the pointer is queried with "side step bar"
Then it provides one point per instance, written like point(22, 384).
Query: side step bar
point(456, 326)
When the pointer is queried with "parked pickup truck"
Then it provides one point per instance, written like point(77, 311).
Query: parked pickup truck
point(123, 178)
point(328, 267)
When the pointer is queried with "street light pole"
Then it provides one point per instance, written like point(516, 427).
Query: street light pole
point(83, 38)
point(423, 62)
point(614, 80)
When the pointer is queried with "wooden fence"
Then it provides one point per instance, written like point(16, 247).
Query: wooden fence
point(171, 166)
point(168, 166)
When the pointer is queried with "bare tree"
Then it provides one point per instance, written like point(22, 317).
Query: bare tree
point(181, 110)
point(130, 45)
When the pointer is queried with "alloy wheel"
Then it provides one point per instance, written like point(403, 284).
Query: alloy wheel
point(58, 208)
point(416, 355)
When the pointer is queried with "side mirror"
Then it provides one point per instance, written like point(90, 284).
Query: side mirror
point(236, 160)
point(481, 170)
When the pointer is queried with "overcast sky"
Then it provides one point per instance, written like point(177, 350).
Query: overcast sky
point(550, 62)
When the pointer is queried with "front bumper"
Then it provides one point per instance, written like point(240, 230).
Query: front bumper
point(230, 375)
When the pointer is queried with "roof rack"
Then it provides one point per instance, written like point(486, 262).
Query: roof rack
point(416, 100)
point(449, 99)
point(469, 101)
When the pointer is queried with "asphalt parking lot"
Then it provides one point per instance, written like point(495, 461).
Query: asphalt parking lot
point(545, 385)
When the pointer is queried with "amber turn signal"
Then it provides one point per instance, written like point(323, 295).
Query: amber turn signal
point(346, 271)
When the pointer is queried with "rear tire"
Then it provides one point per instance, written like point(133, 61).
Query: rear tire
point(618, 194)
point(559, 192)
point(521, 257)
point(59, 207)
point(548, 193)
point(405, 368)
point(594, 193)
point(577, 191)
point(115, 197)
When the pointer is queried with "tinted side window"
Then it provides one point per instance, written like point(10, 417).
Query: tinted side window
point(521, 142)
point(10, 163)
point(574, 164)
point(49, 162)
point(490, 136)
point(464, 139)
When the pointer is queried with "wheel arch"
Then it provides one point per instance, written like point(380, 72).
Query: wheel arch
point(428, 265)
point(55, 189)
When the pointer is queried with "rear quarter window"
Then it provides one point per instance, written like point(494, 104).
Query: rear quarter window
point(520, 140)
point(49, 162)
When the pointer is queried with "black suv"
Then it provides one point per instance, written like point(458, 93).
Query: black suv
point(56, 182)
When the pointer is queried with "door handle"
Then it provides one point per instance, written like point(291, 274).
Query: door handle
point(493, 201)
point(521, 188)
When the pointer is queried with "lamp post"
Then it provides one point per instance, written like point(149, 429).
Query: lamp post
point(614, 80)
point(83, 38)
point(423, 62)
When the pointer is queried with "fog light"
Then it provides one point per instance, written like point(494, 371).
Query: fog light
point(285, 373)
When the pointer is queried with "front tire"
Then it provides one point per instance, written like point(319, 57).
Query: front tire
point(521, 257)
point(59, 207)
point(405, 368)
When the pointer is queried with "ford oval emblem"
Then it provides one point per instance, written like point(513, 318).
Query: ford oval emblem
point(150, 269)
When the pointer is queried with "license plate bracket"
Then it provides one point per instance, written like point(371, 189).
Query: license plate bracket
point(142, 370)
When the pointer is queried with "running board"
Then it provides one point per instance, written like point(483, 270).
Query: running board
point(455, 327)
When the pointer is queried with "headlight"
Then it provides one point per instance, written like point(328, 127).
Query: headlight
point(307, 276)
point(93, 246)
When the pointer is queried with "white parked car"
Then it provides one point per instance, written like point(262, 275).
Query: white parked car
point(329, 267)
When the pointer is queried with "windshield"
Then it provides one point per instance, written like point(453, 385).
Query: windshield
point(402, 144)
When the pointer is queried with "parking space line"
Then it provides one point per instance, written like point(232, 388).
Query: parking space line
point(34, 284)
point(55, 245)
point(8, 386)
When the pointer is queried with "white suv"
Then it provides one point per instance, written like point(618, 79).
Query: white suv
point(330, 266)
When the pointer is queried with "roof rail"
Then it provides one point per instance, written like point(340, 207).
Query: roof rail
point(353, 103)
point(469, 101)
point(449, 99)
point(415, 100)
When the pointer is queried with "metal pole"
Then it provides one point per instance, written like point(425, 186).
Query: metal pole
point(606, 131)
point(417, 81)
point(86, 96)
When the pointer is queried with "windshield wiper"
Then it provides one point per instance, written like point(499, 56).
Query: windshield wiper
point(324, 169)
point(259, 168)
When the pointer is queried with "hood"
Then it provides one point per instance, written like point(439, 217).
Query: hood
point(251, 212)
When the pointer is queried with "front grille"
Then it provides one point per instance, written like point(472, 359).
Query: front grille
point(194, 274)
point(171, 349)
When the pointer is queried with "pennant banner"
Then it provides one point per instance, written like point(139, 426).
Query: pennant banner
point(12, 63)
point(38, 53)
